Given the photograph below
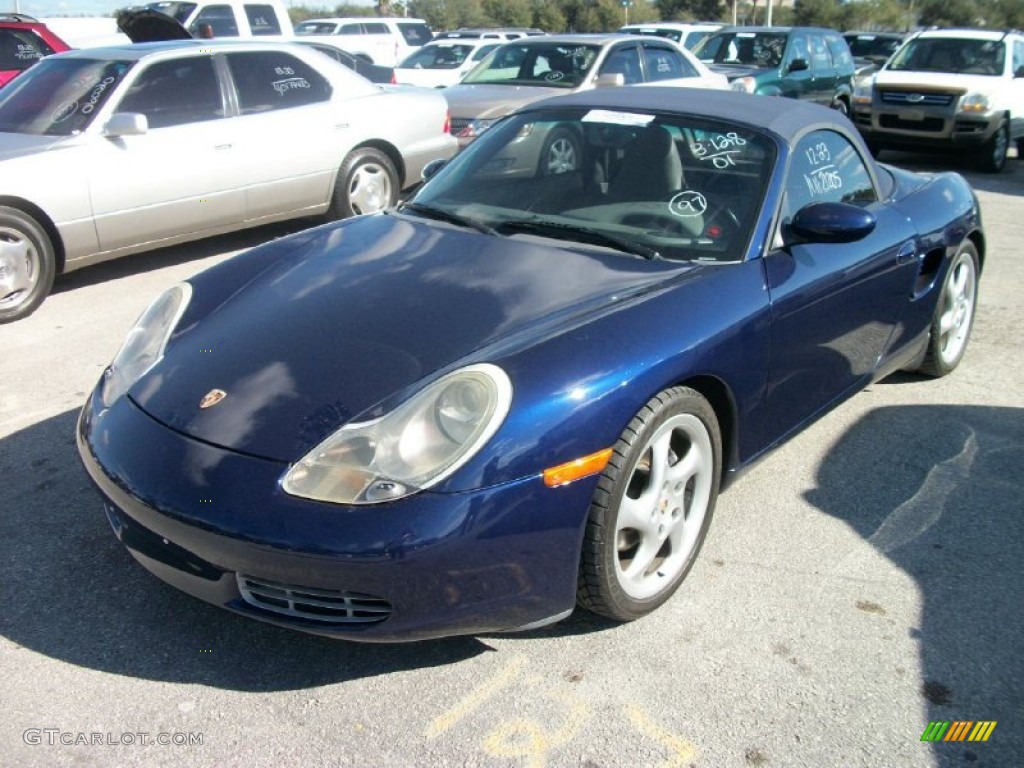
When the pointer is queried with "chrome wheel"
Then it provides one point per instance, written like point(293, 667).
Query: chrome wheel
point(27, 264)
point(367, 182)
point(954, 313)
point(19, 268)
point(652, 506)
point(561, 154)
point(370, 189)
point(662, 512)
point(957, 308)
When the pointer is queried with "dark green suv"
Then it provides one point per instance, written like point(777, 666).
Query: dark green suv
point(800, 62)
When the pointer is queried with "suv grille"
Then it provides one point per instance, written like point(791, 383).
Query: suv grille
point(917, 99)
point(458, 125)
point(325, 605)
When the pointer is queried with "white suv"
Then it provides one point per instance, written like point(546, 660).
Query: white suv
point(379, 40)
point(957, 89)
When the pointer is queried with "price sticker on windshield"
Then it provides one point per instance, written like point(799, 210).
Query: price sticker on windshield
point(616, 118)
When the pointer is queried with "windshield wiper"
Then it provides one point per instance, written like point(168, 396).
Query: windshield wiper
point(582, 234)
point(452, 218)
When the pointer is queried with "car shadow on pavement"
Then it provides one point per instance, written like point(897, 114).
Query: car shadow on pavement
point(72, 592)
point(937, 491)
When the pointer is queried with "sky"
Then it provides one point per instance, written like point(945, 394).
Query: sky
point(41, 8)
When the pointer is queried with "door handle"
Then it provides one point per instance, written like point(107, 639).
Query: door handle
point(222, 146)
point(907, 253)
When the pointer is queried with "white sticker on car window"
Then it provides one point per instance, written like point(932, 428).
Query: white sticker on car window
point(688, 203)
point(616, 118)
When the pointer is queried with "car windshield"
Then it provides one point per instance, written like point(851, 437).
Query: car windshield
point(950, 55)
point(59, 96)
point(872, 46)
point(758, 49)
point(554, 65)
point(446, 56)
point(644, 184)
point(178, 11)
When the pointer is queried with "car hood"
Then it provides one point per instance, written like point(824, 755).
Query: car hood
point(351, 316)
point(734, 71)
point(144, 25)
point(14, 145)
point(937, 81)
point(484, 101)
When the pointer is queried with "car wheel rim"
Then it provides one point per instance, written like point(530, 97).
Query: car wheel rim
point(369, 189)
point(957, 309)
point(19, 268)
point(663, 508)
point(561, 156)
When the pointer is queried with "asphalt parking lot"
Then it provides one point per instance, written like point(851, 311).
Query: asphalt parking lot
point(860, 583)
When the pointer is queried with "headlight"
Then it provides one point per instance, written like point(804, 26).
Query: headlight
point(974, 102)
point(413, 447)
point(862, 93)
point(144, 346)
point(744, 85)
point(475, 128)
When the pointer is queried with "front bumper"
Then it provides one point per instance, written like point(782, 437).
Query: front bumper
point(216, 525)
point(927, 127)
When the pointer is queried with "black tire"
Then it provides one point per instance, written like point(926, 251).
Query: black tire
point(27, 264)
point(992, 157)
point(1020, 149)
point(367, 182)
point(677, 428)
point(560, 154)
point(954, 314)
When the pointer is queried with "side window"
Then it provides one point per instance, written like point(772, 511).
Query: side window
point(841, 55)
point(262, 20)
point(269, 80)
point(665, 64)
point(215, 21)
point(19, 49)
point(825, 168)
point(1018, 58)
point(821, 59)
point(350, 29)
point(799, 50)
point(175, 92)
point(376, 28)
point(624, 61)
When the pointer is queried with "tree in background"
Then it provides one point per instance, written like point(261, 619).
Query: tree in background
point(609, 15)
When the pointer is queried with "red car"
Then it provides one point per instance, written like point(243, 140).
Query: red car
point(23, 41)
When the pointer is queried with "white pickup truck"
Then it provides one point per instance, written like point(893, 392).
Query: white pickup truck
point(229, 18)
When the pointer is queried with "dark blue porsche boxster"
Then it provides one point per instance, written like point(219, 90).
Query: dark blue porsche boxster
point(523, 389)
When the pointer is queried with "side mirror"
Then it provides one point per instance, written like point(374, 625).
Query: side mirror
point(431, 169)
point(832, 223)
point(798, 65)
point(610, 80)
point(126, 124)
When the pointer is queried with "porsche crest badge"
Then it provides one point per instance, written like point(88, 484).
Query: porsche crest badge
point(211, 398)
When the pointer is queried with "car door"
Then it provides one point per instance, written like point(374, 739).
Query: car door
point(180, 177)
point(288, 133)
point(834, 305)
point(1016, 87)
point(796, 78)
point(823, 71)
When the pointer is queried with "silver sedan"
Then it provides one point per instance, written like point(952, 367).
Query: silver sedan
point(107, 152)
